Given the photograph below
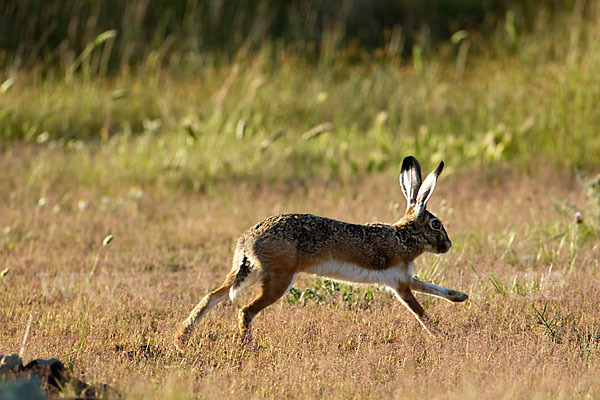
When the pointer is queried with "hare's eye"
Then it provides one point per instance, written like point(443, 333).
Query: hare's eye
point(435, 224)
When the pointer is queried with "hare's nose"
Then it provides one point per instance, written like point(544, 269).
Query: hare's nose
point(444, 246)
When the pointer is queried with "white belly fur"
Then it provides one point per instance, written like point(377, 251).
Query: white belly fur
point(350, 272)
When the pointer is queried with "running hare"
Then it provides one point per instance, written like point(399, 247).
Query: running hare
point(274, 251)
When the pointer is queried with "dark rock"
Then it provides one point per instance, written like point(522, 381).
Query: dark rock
point(40, 377)
point(10, 364)
point(21, 390)
point(51, 372)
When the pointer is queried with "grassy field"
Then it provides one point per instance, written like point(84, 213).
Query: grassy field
point(176, 159)
point(529, 328)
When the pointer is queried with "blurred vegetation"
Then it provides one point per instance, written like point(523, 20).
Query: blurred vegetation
point(189, 93)
point(57, 32)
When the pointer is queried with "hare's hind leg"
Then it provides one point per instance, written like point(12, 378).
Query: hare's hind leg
point(272, 287)
point(209, 301)
point(406, 297)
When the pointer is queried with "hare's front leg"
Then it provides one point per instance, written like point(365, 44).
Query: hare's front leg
point(435, 290)
point(406, 297)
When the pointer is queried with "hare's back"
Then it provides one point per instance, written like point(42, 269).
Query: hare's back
point(316, 240)
point(293, 228)
point(299, 226)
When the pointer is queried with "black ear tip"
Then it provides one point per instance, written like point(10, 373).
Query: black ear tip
point(409, 162)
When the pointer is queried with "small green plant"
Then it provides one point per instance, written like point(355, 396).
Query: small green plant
point(549, 324)
point(326, 290)
point(293, 296)
point(496, 283)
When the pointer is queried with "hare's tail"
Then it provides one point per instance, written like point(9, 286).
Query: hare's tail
point(245, 276)
point(241, 276)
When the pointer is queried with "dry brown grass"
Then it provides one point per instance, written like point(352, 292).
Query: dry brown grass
point(116, 326)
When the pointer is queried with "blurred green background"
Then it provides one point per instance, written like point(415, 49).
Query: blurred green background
point(191, 92)
point(57, 31)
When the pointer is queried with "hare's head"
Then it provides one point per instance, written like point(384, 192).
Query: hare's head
point(426, 227)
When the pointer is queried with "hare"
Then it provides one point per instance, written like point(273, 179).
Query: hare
point(273, 252)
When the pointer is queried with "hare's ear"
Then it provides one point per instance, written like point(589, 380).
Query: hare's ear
point(427, 189)
point(410, 180)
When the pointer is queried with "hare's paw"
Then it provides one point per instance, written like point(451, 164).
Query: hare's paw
point(457, 297)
